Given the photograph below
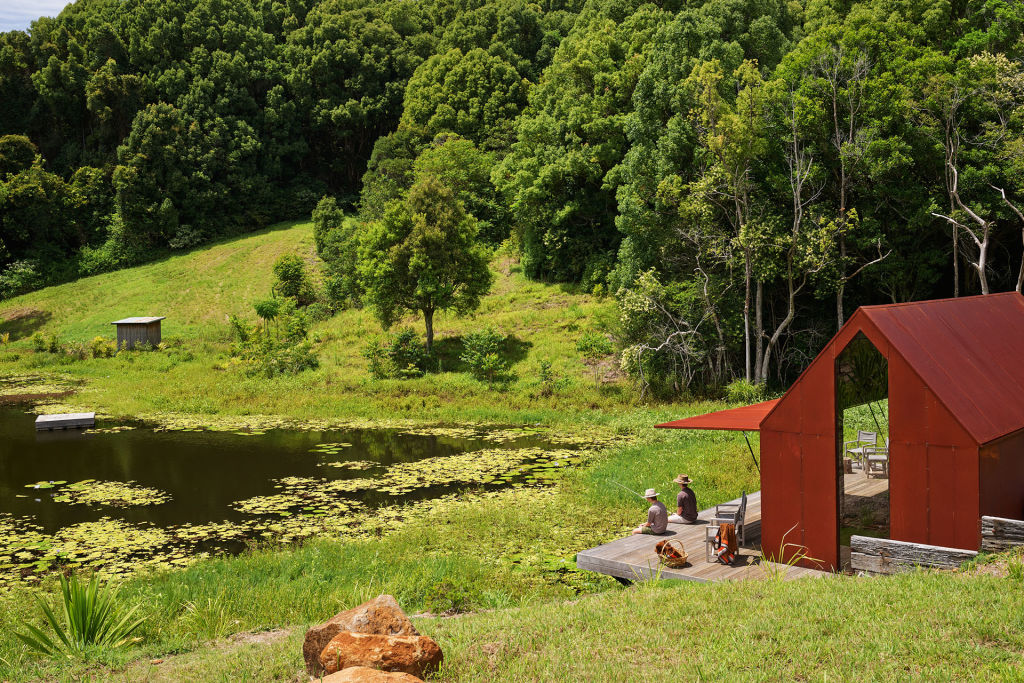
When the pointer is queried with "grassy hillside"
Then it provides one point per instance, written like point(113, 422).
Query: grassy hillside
point(198, 290)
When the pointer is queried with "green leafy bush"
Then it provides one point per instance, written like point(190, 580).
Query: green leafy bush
point(283, 351)
point(548, 380)
point(743, 391)
point(291, 280)
point(482, 354)
point(45, 343)
point(88, 622)
point(445, 597)
point(400, 355)
point(19, 277)
point(101, 347)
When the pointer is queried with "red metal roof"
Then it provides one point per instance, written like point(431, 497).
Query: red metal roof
point(970, 353)
point(745, 419)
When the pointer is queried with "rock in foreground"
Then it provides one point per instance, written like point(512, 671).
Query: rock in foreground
point(362, 674)
point(380, 616)
point(416, 655)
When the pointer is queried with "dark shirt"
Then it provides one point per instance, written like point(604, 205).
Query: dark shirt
point(687, 502)
point(657, 517)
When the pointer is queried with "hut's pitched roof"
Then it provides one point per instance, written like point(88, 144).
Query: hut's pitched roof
point(143, 320)
point(970, 353)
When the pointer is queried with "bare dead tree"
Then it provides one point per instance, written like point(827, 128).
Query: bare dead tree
point(800, 161)
point(980, 235)
point(673, 335)
point(1013, 207)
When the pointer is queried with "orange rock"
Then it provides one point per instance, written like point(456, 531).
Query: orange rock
point(416, 655)
point(381, 616)
point(362, 674)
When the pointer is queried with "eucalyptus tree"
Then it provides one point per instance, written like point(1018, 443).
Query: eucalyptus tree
point(972, 107)
point(694, 176)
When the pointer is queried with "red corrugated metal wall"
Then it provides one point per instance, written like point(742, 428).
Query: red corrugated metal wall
point(933, 467)
point(933, 470)
point(1002, 477)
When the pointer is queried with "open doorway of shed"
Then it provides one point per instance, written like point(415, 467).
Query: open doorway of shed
point(862, 411)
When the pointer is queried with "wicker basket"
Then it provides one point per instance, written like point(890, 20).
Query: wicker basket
point(671, 556)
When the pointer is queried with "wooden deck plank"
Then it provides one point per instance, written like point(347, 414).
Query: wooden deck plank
point(634, 557)
point(65, 421)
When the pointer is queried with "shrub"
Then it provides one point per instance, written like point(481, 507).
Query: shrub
point(76, 350)
point(89, 622)
point(48, 343)
point(446, 597)
point(400, 355)
point(377, 356)
point(548, 380)
point(286, 351)
point(291, 280)
point(102, 347)
point(743, 391)
point(482, 354)
point(19, 277)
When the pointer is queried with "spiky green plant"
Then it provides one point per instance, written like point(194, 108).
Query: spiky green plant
point(90, 623)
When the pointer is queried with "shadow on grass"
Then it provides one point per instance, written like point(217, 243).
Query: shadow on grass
point(448, 352)
point(21, 323)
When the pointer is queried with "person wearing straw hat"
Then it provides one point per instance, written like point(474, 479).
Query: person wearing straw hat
point(686, 502)
point(657, 516)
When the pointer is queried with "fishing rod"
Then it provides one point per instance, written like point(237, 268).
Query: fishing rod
point(628, 489)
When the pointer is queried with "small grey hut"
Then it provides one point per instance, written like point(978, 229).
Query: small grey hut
point(132, 331)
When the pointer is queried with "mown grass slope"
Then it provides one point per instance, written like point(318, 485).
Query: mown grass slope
point(197, 291)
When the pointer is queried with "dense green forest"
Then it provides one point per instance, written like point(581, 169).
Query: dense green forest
point(738, 174)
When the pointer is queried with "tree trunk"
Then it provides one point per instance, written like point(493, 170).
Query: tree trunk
point(982, 263)
point(759, 331)
point(842, 282)
point(746, 312)
point(956, 260)
point(428, 318)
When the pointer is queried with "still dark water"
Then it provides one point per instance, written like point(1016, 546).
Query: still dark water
point(204, 472)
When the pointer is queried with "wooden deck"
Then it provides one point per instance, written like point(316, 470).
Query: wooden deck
point(633, 558)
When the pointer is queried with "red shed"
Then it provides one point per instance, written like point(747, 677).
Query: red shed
point(953, 371)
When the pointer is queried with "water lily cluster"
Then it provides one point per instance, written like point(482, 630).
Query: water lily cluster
point(371, 502)
point(112, 493)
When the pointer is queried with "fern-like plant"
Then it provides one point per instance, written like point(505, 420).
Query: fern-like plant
point(89, 622)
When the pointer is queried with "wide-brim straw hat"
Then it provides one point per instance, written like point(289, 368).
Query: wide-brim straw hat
point(683, 479)
point(650, 493)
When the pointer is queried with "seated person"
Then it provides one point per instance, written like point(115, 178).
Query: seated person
point(686, 502)
point(657, 516)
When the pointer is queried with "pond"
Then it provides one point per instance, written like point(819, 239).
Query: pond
point(122, 499)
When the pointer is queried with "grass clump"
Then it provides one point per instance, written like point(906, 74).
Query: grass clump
point(89, 623)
